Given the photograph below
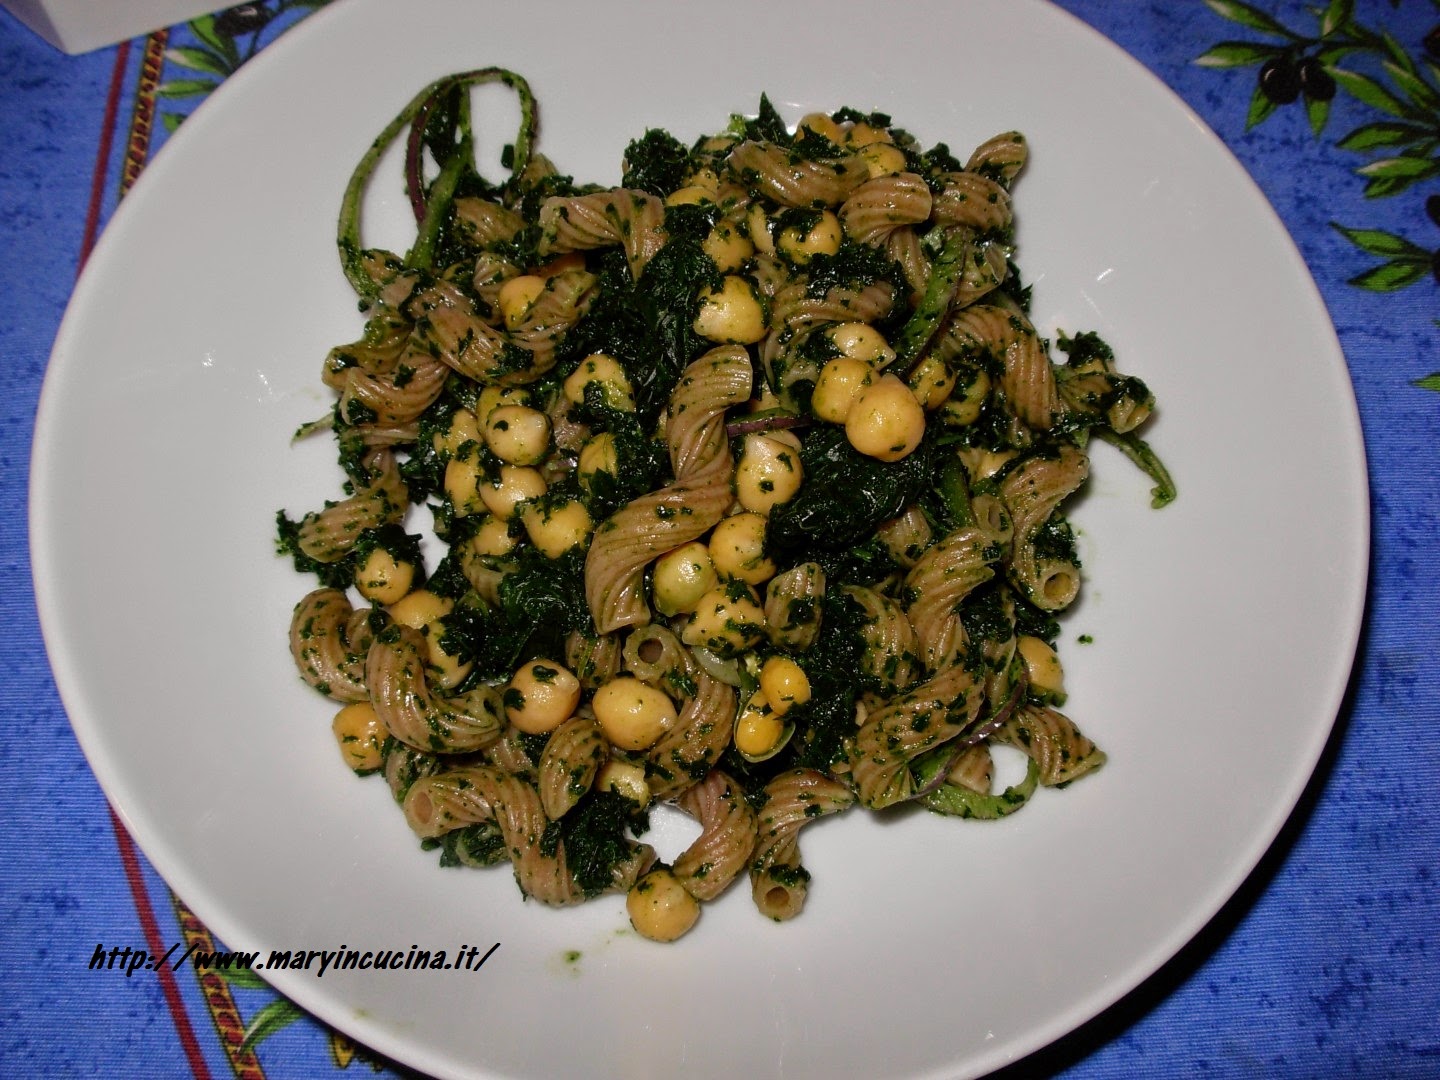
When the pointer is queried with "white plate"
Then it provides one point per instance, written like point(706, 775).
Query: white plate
point(1224, 626)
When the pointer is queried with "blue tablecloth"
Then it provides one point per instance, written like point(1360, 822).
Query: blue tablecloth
point(1326, 962)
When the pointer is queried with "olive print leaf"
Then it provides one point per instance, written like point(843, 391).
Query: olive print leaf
point(183, 88)
point(1416, 88)
point(1318, 112)
point(199, 60)
point(1381, 243)
point(1367, 90)
point(1260, 107)
point(1383, 134)
point(1249, 16)
point(1391, 276)
point(1430, 382)
point(1337, 15)
point(1407, 262)
point(278, 1014)
point(1390, 176)
point(1229, 54)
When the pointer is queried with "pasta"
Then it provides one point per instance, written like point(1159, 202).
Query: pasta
point(748, 481)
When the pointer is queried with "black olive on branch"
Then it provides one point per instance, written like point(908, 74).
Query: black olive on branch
point(1431, 41)
point(1317, 83)
point(242, 19)
point(1432, 208)
point(1280, 79)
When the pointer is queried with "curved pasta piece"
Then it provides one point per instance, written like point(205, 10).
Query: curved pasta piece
point(572, 757)
point(891, 651)
point(1001, 157)
point(328, 641)
point(971, 199)
point(595, 659)
point(437, 804)
point(938, 583)
point(654, 655)
point(395, 673)
point(778, 882)
point(1053, 742)
point(973, 770)
point(691, 748)
point(387, 333)
point(403, 765)
point(1032, 490)
point(483, 222)
point(771, 171)
point(893, 736)
point(508, 753)
point(986, 268)
point(907, 536)
point(661, 520)
point(329, 535)
point(727, 836)
point(1006, 337)
point(398, 398)
point(634, 220)
point(792, 606)
point(884, 204)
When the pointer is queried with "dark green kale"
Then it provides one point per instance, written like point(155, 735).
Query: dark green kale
point(767, 126)
point(846, 494)
point(642, 463)
point(853, 267)
point(480, 844)
point(1055, 540)
point(594, 832)
point(656, 162)
point(1085, 347)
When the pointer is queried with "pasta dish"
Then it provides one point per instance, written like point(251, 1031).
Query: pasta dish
point(748, 481)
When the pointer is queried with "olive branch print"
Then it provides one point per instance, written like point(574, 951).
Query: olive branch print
point(1403, 142)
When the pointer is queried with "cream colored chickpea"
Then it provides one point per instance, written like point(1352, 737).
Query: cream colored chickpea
point(681, 577)
point(382, 578)
point(882, 159)
point(728, 246)
point(1042, 665)
point(692, 195)
point(784, 683)
point(360, 734)
point(518, 296)
point(492, 538)
point(801, 245)
point(967, 399)
point(492, 397)
point(624, 779)
point(420, 608)
point(759, 228)
point(931, 382)
point(596, 456)
point(557, 529)
point(518, 434)
point(886, 421)
point(758, 728)
point(727, 620)
point(839, 386)
point(541, 696)
point(768, 472)
point(862, 134)
point(705, 178)
point(737, 548)
point(503, 494)
point(605, 371)
point(463, 477)
point(632, 714)
point(464, 427)
point(821, 124)
point(732, 314)
point(861, 341)
point(659, 907)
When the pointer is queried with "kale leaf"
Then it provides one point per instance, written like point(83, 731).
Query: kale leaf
point(594, 834)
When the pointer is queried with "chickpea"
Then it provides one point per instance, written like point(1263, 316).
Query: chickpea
point(632, 714)
point(705, 178)
point(382, 578)
point(423, 610)
point(420, 608)
point(463, 477)
point(681, 577)
point(659, 907)
point(729, 247)
point(691, 195)
point(839, 386)
point(464, 427)
point(769, 472)
point(541, 696)
point(360, 734)
point(1042, 665)
point(492, 538)
point(605, 371)
point(731, 314)
point(759, 728)
point(758, 226)
point(518, 434)
point(861, 341)
point(727, 620)
point(784, 683)
point(822, 125)
point(624, 779)
point(882, 159)
point(931, 382)
point(737, 548)
point(518, 296)
point(492, 397)
point(886, 421)
point(516, 484)
point(596, 456)
point(862, 134)
point(557, 529)
point(821, 238)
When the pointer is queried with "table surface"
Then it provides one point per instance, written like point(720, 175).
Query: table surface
point(1323, 964)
